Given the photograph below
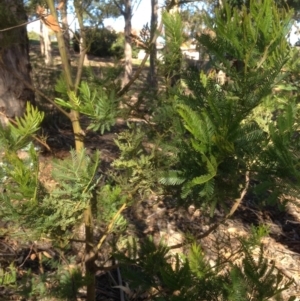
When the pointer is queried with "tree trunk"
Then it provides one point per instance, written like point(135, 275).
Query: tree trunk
point(14, 64)
point(153, 51)
point(127, 49)
point(42, 44)
point(45, 41)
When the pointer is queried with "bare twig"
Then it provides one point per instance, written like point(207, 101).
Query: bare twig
point(29, 254)
point(122, 297)
point(231, 212)
point(83, 48)
point(19, 25)
point(119, 7)
point(93, 253)
point(109, 227)
point(80, 69)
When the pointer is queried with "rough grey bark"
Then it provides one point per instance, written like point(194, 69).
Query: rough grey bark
point(153, 51)
point(14, 63)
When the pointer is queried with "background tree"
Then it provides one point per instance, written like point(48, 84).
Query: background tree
point(14, 63)
point(125, 8)
point(45, 31)
point(153, 51)
point(35, 9)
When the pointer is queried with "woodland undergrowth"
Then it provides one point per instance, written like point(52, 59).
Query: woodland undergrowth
point(204, 144)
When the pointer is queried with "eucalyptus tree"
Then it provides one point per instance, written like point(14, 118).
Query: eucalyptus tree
point(125, 8)
point(34, 8)
point(14, 59)
point(153, 51)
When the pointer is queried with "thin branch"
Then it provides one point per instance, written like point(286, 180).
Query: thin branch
point(109, 227)
point(239, 200)
point(83, 49)
point(173, 3)
point(30, 251)
point(93, 254)
point(122, 11)
point(122, 297)
point(187, 1)
point(136, 8)
point(231, 212)
point(19, 25)
point(79, 69)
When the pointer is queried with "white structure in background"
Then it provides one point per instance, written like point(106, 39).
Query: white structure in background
point(141, 54)
point(189, 50)
point(159, 48)
point(294, 35)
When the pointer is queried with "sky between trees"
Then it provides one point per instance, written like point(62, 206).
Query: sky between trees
point(141, 15)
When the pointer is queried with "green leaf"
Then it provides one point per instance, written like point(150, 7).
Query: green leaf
point(172, 177)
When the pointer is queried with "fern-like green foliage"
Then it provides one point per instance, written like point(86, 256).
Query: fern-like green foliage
point(255, 279)
point(136, 165)
point(278, 166)
point(109, 200)
point(219, 138)
point(22, 176)
point(198, 264)
point(174, 38)
point(254, 35)
point(233, 128)
point(148, 258)
point(77, 173)
point(62, 209)
point(8, 277)
point(69, 281)
point(20, 188)
point(65, 282)
point(100, 106)
point(25, 202)
point(151, 267)
point(18, 135)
